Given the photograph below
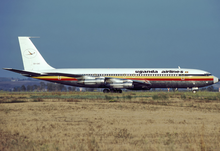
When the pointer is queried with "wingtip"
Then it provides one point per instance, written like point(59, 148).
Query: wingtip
point(7, 68)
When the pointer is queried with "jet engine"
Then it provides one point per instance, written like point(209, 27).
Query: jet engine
point(117, 83)
point(121, 85)
point(92, 81)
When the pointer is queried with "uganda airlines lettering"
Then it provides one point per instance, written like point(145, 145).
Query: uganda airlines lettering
point(155, 71)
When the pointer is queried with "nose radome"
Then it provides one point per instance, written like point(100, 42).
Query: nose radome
point(215, 79)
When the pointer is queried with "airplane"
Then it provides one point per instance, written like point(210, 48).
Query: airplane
point(113, 79)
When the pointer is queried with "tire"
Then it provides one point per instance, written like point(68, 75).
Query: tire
point(194, 91)
point(105, 91)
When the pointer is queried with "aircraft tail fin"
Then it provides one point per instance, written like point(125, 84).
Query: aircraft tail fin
point(32, 59)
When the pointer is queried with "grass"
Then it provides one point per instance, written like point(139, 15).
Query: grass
point(97, 121)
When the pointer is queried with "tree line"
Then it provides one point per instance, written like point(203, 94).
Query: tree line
point(44, 87)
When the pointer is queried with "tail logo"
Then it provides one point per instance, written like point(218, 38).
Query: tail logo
point(30, 53)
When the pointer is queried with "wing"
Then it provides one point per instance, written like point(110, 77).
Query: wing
point(63, 74)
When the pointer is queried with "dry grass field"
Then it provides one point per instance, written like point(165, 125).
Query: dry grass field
point(151, 121)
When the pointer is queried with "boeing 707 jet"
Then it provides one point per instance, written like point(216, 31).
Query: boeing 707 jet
point(112, 80)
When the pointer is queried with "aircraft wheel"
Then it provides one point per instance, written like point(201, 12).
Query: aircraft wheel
point(106, 91)
point(194, 91)
point(119, 91)
point(112, 91)
point(115, 90)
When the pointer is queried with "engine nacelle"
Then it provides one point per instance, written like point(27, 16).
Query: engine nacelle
point(121, 85)
point(94, 81)
point(118, 83)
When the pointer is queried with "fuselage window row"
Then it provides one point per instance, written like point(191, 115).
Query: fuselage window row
point(141, 75)
point(133, 75)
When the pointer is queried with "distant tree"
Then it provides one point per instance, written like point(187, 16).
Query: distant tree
point(73, 88)
point(210, 88)
point(35, 87)
point(58, 87)
point(203, 89)
point(70, 89)
point(29, 88)
point(42, 86)
point(15, 89)
point(64, 89)
point(90, 89)
point(23, 88)
point(50, 87)
point(18, 89)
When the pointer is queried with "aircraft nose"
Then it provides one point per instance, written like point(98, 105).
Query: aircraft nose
point(215, 79)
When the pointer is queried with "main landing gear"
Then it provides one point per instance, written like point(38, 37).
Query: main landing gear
point(112, 91)
point(195, 89)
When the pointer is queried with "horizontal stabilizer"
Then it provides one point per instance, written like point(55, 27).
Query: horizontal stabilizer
point(22, 72)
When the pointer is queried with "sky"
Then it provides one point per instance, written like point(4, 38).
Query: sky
point(113, 33)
